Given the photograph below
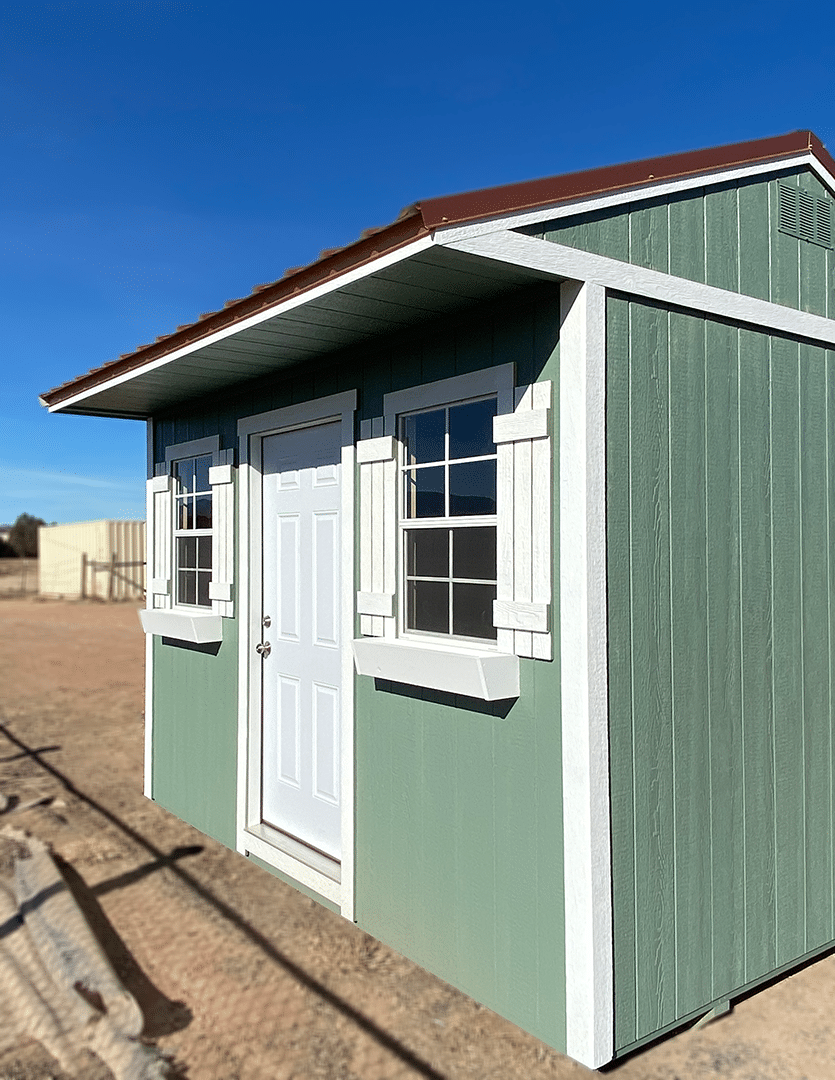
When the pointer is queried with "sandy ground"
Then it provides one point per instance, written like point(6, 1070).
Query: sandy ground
point(239, 976)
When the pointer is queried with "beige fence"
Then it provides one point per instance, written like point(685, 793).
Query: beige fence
point(96, 559)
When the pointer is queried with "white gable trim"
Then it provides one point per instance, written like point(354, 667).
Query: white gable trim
point(584, 686)
point(565, 262)
point(585, 204)
point(148, 785)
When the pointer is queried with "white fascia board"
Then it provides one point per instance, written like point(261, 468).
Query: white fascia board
point(584, 204)
point(571, 263)
point(315, 293)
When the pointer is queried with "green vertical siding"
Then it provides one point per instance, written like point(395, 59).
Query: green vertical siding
point(458, 805)
point(720, 495)
point(195, 733)
point(725, 235)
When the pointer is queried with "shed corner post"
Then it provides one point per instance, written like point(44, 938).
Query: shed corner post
point(584, 684)
point(148, 764)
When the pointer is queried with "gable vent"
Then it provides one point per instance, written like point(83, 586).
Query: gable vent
point(804, 216)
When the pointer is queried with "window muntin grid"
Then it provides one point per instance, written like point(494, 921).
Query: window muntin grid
point(193, 530)
point(448, 520)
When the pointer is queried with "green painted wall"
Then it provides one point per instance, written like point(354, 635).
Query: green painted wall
point(195, 738)
point(721, 502)
point(458, 808)
point(724, 235)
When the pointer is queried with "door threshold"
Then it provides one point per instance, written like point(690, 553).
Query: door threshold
point(300, 853)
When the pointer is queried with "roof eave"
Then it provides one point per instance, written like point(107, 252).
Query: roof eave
point(407, 229)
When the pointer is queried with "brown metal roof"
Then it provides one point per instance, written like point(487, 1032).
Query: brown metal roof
point(420, 219)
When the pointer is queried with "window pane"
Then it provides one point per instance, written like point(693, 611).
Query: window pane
point(203, 512)
point(471, 429)
point(425, 492)
point(423, 435)
point(185, 475)
point(472, 488)
point(203, 580)
point(184, 513)
point(427, 606)
point(472, 610)
point(427, 552)
point(201, 473)
point(185, 587)
point(186, 551)
point(204, 551)
point(474, 553)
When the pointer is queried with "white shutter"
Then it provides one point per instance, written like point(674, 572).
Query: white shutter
point(377, 465)
point(222, 480)
point(158, 531)
point(522, 609)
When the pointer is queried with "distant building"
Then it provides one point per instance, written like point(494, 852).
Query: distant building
point(79, 560)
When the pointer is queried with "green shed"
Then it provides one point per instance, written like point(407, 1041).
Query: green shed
point(491, 591)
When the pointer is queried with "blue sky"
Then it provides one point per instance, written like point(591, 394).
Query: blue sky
point(160, 157)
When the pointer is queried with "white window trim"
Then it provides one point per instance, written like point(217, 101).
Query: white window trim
point(440, 663)
point(337, 882)
point(184, 622)
point(177, 452)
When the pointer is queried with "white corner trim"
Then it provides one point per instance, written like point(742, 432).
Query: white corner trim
point(566, 262)
point(583, 662)
point(483, 674)
point(148, 764)
point(197, 627)
point(652, 189)
point(148, 769)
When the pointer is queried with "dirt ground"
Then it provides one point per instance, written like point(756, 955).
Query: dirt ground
point(239, 976)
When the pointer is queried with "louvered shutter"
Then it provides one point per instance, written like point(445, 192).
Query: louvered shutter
point(522, 609)
point(378, 530)
point(159, 539)
point(222, 480)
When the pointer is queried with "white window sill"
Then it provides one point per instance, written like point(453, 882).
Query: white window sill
point(199, 627)
point(476, 673)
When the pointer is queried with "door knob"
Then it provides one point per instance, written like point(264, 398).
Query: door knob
point(263, 649)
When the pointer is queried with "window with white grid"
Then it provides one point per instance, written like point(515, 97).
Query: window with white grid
point(192, 530)
point(447, 520)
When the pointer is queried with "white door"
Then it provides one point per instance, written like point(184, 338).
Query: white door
point(302, 691)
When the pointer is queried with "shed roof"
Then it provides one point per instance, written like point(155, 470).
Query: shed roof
point(390, 277)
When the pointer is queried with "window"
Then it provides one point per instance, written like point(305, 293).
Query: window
point(193, 530)
point(190, 541)
point(448, 520)
point(455, 489)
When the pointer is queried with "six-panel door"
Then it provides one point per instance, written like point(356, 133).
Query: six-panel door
point(300, 765)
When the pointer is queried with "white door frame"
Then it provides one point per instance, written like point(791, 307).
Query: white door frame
point(335, 882)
